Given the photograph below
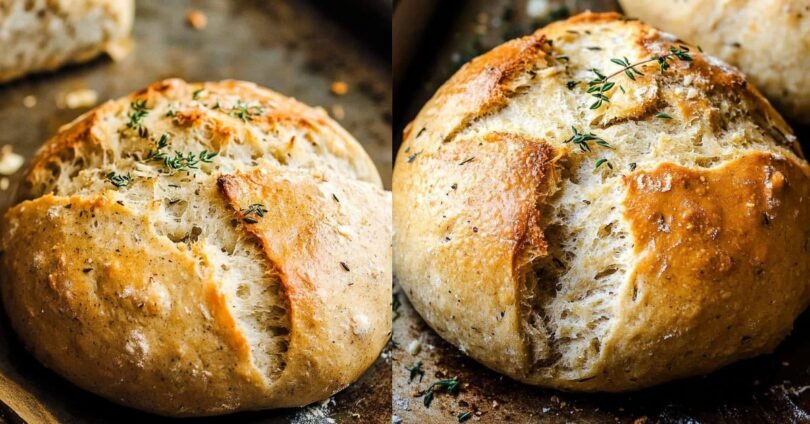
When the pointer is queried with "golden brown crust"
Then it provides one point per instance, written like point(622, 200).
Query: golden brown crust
point(542, 291)
point(481, 197)
point(307, 224)
point(482, 86)
point(255, 278)
point(711, 245)
point(72, 295)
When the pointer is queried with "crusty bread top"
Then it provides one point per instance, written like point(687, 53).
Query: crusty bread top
point(239, 120)
point(147, 269)
point(534, 253)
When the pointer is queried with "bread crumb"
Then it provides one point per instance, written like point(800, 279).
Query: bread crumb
point(361, 325)
point(338, 112)
point(414, 347)
point(339, 88)
point(29, 101)
point(81, 98)
point(640, 420)
point(120, 49)
point(10, 162)
point(197, 19)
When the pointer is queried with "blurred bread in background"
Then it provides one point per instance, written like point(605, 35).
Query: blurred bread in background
point(43, 35)
point(768, 40)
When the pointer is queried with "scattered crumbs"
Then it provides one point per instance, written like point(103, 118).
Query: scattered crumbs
point(10, 162)
point(29, 101)
point(339, 88)
point(537, 8)
point(414, 347)
point(316, 413)
point(84, 97)
point(495, 404)
point(338, 112)
point(197, 19)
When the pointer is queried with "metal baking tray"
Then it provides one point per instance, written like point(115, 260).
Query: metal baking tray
point(295, 47)
point(769, 389)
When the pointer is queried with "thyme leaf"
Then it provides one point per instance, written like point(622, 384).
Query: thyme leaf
point(416, 370)
point(119, 180)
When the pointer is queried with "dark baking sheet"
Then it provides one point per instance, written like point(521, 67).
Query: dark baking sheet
point(293, 47)
point(769, 389)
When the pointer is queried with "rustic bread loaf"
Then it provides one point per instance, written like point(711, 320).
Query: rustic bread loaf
point(42, 35)
point(197, 249)
point(599, 207)
point(766, 39)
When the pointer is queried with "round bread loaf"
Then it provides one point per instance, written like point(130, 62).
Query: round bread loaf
point(197, 249)
point(598, 206)
point(766, 39)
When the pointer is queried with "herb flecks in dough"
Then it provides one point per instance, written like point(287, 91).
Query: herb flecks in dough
point(256, 209)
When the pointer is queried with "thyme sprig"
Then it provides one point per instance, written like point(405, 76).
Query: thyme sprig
point(601, 84)
point(256, 209)
point(136, 114)
point(450, 386)
point(119, 180)
point(180, 161)
point(582, 139)
point(246, 112)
